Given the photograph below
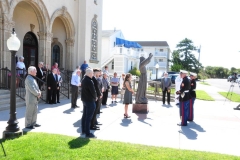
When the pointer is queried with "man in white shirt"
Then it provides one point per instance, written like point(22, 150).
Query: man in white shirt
point(21, 69)
point(75, 83)
point(178, 82)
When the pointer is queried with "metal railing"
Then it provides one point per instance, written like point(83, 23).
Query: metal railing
point(5, 81)
point(65, 88)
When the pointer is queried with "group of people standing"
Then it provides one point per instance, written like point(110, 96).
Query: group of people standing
point(95, 86)
point(185, 96)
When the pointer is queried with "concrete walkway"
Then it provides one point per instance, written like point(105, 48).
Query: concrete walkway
point(216, 127)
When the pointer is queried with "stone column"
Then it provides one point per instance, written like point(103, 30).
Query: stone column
point(69, 55)
point(44, 48)
point(6, 30)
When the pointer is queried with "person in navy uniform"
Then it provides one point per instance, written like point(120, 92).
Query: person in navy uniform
point(192, 95)
point(184, 97)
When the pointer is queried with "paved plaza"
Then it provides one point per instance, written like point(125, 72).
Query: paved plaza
point(216, 126)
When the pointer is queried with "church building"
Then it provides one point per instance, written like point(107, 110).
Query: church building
point(63, 31)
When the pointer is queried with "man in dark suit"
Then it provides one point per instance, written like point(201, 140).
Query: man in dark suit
point(40, 74)
point(98, 89)
point(52, 84)
point(165, 86)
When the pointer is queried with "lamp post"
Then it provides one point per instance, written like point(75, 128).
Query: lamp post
point(156, 66)
point(13, 44)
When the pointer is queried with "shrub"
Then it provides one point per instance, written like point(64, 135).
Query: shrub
point(135, 72)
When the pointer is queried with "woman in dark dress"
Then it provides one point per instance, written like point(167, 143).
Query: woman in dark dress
point(128, 93)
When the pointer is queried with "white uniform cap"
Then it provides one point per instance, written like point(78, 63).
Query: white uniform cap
point(193, 74)
point(183, 71)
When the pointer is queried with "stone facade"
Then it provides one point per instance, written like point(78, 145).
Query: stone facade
point(67, 24)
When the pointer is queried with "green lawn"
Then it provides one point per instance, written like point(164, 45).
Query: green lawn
point(205, 83)
point(59, 147)
point(203, 95)
point(231, 96)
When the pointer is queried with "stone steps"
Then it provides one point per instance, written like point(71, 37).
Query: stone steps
point(5, 100)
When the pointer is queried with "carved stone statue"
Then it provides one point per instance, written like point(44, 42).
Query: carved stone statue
point(142, 84)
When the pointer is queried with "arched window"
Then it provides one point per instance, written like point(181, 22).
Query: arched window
point(94, 40)
point(56, 54)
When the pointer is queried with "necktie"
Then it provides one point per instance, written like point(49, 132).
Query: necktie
point(56, 77)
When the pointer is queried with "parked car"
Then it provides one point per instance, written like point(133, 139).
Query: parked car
point(173, 77)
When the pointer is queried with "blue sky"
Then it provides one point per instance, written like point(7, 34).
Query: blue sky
point(213, 24)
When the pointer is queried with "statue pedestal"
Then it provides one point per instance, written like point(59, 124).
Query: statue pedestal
point(140, 108)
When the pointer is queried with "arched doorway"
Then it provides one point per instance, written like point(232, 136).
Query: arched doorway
point(56, 54)
point(30, 49)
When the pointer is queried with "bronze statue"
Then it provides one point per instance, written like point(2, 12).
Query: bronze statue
point(142, 84)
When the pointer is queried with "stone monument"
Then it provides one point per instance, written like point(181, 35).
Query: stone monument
point(141, 104)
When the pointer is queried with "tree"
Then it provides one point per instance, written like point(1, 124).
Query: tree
point(135, 72)
point(188, 59)
point(217, 72)
point(176, 61)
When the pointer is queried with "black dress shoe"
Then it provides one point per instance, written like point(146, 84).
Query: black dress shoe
point(30, 127)
point(49, 103)
point(94, 128)
point(37, 125)
point(77, 106)
point(90, 135)
point(55, 103)
point(58, 102)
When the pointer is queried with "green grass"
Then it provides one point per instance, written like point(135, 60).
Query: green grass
point(59, 147)
point(203, 95)
point(231, 96)
point(205, 83)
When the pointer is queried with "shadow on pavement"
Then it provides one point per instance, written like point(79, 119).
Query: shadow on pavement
point(79, 125)
point(126, 122)
point(189, 132)
point(68, 111)
point(196, 126)
point(78, 143)
point(167, 106)
point(142, 118)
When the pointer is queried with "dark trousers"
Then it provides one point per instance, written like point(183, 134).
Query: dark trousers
point(94, 117)
point(99, 105)
point(52, 95)
point(88, 111)
point(164, 94)
point(105, 96)
point(83, 73)
point(97, 111)
point(74, 95)
point(58, 91)
point(184, 111)
point(191, 113)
